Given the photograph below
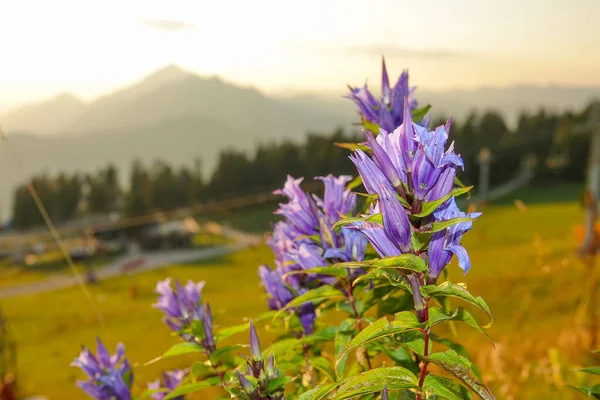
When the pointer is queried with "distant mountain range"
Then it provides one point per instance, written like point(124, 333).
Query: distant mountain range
point(178, 116)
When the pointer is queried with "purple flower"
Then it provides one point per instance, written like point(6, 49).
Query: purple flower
point(301, 210)
point(336, 199)
point(182, 306)
point(279, 295)
point(353, 248)
point(431, 160)
point(272, 281)
point(446, 243)
point(283, 239)
point(109, 377)
point(376, 235)
point(171, 379)
point(390, 111)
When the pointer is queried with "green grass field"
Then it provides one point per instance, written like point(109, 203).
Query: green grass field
point(524, 264)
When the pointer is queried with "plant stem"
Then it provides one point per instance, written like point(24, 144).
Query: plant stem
point(423, 316)
point(357, 318)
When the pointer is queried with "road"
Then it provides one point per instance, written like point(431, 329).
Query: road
point(138, 262)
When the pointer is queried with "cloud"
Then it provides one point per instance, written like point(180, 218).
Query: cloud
point(168, 25)
point(395, 51)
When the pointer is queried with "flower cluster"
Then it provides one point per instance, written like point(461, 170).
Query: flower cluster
point(263, 381)
point(109, 377)
point(389, 111)
point(306, 239)
point(408, 168)
point(171, 379)
point(184, 312)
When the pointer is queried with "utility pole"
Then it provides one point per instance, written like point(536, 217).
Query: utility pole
point(592, 190)
point(589, 247)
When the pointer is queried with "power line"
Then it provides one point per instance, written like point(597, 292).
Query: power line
point(55, 234)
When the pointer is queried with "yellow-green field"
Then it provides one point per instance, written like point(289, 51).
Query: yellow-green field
point(524, 264)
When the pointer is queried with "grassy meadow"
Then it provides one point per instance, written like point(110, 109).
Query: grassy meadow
point(525, 266)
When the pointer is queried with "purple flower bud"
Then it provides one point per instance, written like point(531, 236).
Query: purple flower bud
point(379, 240)
point(372, 176)
point(254, 343)
point(208, 329)
point(383, 161)
point(384, 394)
point(246, 385)
point(395, 219)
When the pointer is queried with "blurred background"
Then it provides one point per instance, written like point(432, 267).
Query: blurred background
point(155, 132)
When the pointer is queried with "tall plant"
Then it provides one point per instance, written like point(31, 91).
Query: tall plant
point(356, 295)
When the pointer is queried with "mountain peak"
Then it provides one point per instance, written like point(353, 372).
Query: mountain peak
point(166, 74)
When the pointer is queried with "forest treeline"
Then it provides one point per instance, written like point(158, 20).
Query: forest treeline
point(560, 148)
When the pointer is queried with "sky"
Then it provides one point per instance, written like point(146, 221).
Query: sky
point(92, 47)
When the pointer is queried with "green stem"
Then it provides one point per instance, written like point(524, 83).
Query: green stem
point(425, 318)
point(357, 317)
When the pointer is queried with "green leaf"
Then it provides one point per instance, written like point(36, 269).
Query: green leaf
point(441, 225)
point(324, 365)
point(226, 333)
point(319, 393)
point(341, 340)
point(460, 349)
point(437, 316)
point(405, 321)
point(149, 393)
point(354, 183)
point(393, 276)
point(420, 241)
point(328, 271)
point(183, 348)
point(193, 387)
point(353, 146)
point(370, 126)
point(281, 347)
point(374, 380)
point(403, 201)
point(200, 369)
point(375, 218)
point(444, 387)
point(277, 384)
point(429, 207)
point(418, 113)
point(221, 352)
point(454, 290)
point(315, 295)
point(590, 370)
point(323, 335)
point(460, 367)
point(409, 262)
point(593, 392)
point(400, 355)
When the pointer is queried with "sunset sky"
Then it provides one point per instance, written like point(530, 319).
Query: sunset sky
point(89, 48)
